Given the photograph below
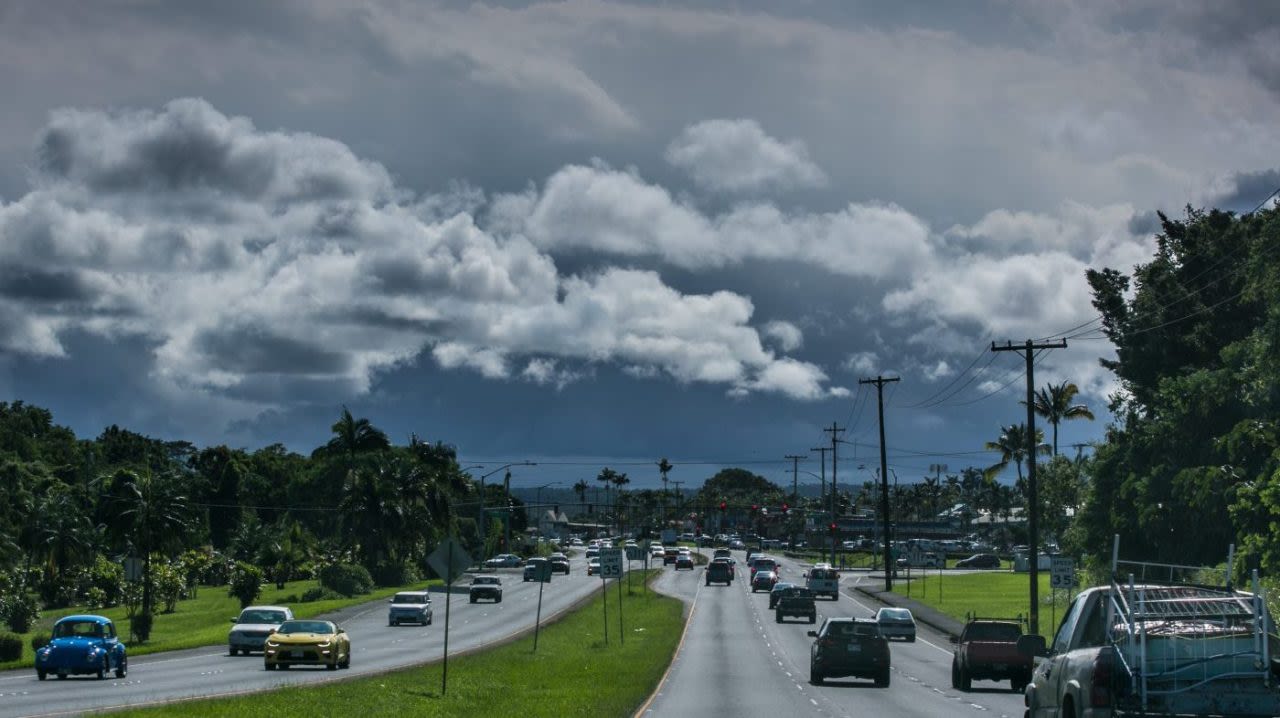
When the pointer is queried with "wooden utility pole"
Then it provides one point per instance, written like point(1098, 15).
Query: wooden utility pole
point(835, 439)
point(879, 382)
point(1028, 351)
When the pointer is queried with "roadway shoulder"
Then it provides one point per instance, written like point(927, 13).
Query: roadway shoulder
point(927, 615)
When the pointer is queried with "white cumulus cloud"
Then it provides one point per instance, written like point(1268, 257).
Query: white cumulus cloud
point(738, 156)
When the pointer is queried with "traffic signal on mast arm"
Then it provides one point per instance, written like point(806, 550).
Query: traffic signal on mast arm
point(723, 506)
point(832, 528)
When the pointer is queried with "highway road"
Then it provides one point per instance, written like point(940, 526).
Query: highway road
point(376, 647)
point(737, 661)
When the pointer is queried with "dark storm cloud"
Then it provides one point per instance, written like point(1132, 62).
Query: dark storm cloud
point(1251, 188)
point(30, 283)
point(258, 350)
point(1144, 223)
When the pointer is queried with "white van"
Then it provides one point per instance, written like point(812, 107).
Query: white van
point(823, 580)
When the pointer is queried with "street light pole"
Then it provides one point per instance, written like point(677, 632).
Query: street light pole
point(482, 529)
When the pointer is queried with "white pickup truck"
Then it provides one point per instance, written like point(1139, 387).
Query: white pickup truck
point(1136, 649)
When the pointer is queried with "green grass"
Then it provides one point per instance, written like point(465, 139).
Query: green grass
point(573, 674)
point(201, 621)
point(997, 594)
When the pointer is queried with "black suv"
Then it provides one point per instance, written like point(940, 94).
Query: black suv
point(849, 647)
point(719, 572)
point(796, 601)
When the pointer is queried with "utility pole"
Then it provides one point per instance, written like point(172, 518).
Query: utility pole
point(795, 492)
point(879, 382)
point(835, 439)
point(679, 497)
point(1028, 351)
point(823, 470)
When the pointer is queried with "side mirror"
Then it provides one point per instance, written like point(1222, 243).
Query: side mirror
point(391, 600)
point(1032, 645)
point(234, 619)
point(954, 639)
point(811, 634)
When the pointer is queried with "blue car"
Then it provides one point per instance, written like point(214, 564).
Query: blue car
point(82, 645)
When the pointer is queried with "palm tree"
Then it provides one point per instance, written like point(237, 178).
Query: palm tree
point(606, 477)
point(664, 468)
point(580, 489)
point(153, 513)
point(1012, 446)
point(352, 436)
point(619, 480)
point(1053, 402)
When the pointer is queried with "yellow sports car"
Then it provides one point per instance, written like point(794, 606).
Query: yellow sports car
point(308, 643)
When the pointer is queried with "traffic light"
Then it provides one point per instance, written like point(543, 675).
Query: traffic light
point(755, 508)
point(786, 508)
point(723, 506)
point(832, 528)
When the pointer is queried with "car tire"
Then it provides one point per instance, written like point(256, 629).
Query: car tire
point(122, 668)
point(966, 681)
point(815, 676)
point(882, 680)
point(268, 666)
point(813, 619)
point(232, 651)
point(41, 675)
point(62, 676)
point(499, 600)
point(473, 599)
point(777, 617)
point(104, 668)
point(331, 666)
point(911, 638)
point(955, 676)
point(393, 623)
point(430, 619)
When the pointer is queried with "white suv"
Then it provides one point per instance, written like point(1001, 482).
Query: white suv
point(253, 626)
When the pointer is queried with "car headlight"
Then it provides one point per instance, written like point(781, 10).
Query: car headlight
point(326, 644)
point(272, 643)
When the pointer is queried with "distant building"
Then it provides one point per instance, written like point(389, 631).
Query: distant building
point(553, 523)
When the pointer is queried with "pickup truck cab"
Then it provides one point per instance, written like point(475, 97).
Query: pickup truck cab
point(987, 649)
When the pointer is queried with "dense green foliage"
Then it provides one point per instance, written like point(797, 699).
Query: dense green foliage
point(1196, 442)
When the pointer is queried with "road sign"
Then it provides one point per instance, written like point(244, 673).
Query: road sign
point(611, 563)
point(541, 570)
point(635, 553)
point(1062, 572)
point(449, 560)
point(133, 569)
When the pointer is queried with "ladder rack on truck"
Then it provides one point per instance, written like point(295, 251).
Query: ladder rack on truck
point(1175, 639)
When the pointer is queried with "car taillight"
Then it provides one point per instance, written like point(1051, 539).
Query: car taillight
point(1100, 683)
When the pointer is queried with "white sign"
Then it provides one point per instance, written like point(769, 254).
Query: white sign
point(611, 563)
point(635, 553)
point(1062, 573)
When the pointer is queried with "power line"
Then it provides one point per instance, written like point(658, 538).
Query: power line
point(943, 400)
point(952, 382)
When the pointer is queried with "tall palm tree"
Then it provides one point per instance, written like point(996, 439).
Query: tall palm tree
point(606, 477)
point(352, 436)
point(619, 480)
point(1053, 402)
point(1012, 446)
point(664, 468)
point(154, 515)
point(580, 489)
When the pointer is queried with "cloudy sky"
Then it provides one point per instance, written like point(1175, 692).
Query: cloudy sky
point(586, 232)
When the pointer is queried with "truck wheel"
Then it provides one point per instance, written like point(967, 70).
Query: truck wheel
point(777, 616)
point(1018, 685)
point(813, 619)
point(882, 680)
point(815, 676)
point(955, 676)
point(41, 675)
point(966, 682)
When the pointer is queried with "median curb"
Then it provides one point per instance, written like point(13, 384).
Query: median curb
point(927, 615)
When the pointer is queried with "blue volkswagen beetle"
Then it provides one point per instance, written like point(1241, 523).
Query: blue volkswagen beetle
point(82, 645)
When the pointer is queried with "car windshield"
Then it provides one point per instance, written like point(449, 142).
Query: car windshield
point(895, 614)
point(321, 627)
point(261, 616)
point(993, 632)
point(486, 581)
point(71, 629)
point(850, 628)
point(412, 598)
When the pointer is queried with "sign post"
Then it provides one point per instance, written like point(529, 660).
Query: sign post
point(611, 567)
point(543, 575)
point(449, 560)
point(1062, 574)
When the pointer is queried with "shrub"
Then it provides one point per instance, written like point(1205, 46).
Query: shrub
point(395, 573)
point(246, 583)
point(140, 626)
point(291, 598)
point(10, 647)
point(311, 595)
point(347, 579)
point(19, 610)
point(38, 641)
point(168, 583)
point(95, 598)
point(108, 578)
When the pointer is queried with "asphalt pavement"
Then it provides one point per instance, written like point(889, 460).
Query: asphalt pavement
point(376, 648)
point(735, 660)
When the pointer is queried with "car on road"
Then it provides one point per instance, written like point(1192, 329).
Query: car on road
point(849, 647)
point(535, 568)
point(795, 601)
point(684, 560)
point(722, 553)
point(486, 587)
point(409, 607)
point(737, 545)
point(252, 627)
point(763, 581)
point(760, 562)
point(593, 566)
point(80, 645)
point(897, 623)
point(776, 592)
point(979, 560)
point(987, 649)
point(823, 580)
point(504, 560)
point(670, 554)
point(307, 643)
point(928, 559)
point(719, 571)
point(559, 563)
point(656, 551)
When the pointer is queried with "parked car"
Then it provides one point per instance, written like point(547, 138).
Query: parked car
point(253, 625)
point(763, 581)
point(534, 568)
point(559, 563)
point(776, 592)
point(81, 645)
point(409, 607)
point(897, 623)
point(849, 647)
point(979, 560)
point(307, 643)
point(988, 650)
point(795, 601)
point(684, 560)
point(719, 571)
point(487, 587)
point(924, 560)
point(504, 560)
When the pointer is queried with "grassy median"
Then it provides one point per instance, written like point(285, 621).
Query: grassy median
point(201, 621)
point(573, 673)
point(995, 594)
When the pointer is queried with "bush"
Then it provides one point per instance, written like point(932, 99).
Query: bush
point(10, 647)
point(108, 578)
point(311, 595)
point(395, 573)
point(168, 583)
point(291, 598)
point(347, 579)
point(246, 583)
point(19, 610)
point(38, 641)
point(140, 626)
